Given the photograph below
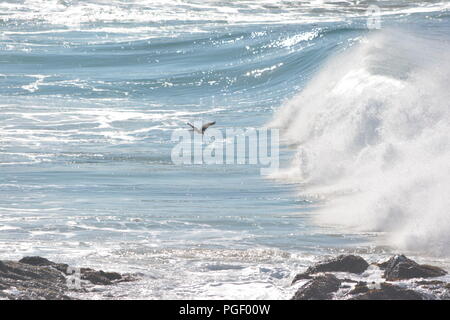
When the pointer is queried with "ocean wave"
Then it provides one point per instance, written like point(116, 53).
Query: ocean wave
point(173, 15)
point(371, 130)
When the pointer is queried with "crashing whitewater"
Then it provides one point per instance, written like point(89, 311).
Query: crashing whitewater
point(371, 131)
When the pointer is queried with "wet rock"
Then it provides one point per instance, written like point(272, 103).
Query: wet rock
point(400, 267)
point(40, 261)
point(94, 276)
point(360, 287)
point(100, 277)
point(36, 261)
point(302, 276)
point(439, 289)
point(388, 291)
point(20, 281)
point(342, 263)
point(2, 266)
point(37, 278)
point(319, 288)
point(397, 268)
point(431, 283)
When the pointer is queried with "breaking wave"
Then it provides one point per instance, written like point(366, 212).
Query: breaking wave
point(372, 132)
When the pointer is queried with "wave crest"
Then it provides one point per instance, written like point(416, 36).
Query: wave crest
point(372, 130)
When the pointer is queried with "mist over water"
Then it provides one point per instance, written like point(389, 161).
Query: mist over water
point(91, 92)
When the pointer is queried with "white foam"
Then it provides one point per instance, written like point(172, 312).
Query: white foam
point(372, 130)
point(32, 87)
point(77, 15)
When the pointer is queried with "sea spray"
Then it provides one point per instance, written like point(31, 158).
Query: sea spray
point(372, 132)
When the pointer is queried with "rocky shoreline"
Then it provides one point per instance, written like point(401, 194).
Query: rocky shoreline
point(36, 278)
point(345, 277)
point(403, 279)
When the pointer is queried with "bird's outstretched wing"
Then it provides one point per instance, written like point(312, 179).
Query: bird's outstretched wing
point(193, 128)
point(207, 125)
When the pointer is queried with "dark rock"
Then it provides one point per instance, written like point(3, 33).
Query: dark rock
point(397, 268)
point(40, 261)
point(2, 266)
point(342, 263)
point(400, 267)
point(37, 278)
point(301, 276)
point(319, 288)
point(360, 287)
point(389, 291)
point(36, 261)
point(31, 282)
point(99, 277)
point(431, 283)
point(383, 265)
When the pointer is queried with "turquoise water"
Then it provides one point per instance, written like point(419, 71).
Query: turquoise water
point(91, 92)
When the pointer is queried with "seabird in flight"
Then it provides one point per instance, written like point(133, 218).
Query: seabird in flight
point(204, 127)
